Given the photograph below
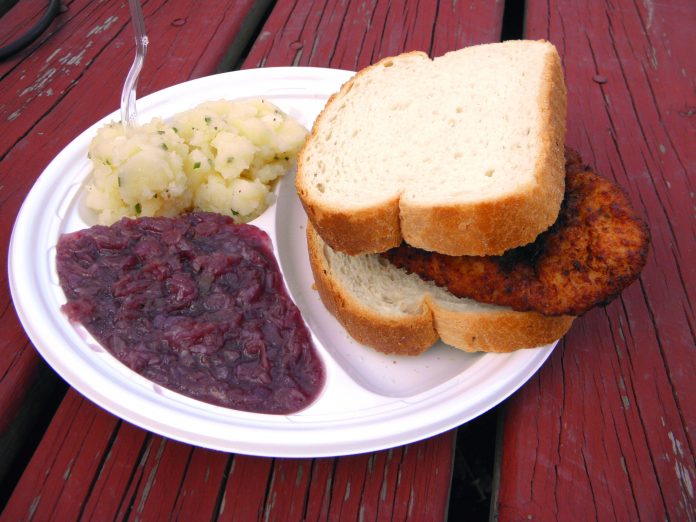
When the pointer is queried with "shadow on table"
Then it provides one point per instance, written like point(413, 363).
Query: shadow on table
point(470, 497)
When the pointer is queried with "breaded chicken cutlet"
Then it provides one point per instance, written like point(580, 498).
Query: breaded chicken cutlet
point(595, 249)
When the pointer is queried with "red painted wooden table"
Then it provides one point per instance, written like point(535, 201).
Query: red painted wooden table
point(607, 428)
point(604, 431)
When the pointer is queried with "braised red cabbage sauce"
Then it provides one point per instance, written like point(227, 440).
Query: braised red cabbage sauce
point(195, 304)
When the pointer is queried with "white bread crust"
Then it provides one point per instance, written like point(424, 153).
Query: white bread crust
point(487, 225)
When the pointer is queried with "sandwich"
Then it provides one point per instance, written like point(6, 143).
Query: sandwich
point(443, 204)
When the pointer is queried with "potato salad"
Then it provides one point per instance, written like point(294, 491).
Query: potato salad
point(221, 156)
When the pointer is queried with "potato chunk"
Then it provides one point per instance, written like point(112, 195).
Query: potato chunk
point(221, 156)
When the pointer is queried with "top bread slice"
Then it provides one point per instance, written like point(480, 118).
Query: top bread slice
point(461, 155)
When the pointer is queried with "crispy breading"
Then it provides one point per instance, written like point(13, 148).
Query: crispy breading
point(595, 249)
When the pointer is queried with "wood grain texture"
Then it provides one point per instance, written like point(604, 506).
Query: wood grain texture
point(606, 429)
point(65, 81)
point(352, 35)
point(91, 465)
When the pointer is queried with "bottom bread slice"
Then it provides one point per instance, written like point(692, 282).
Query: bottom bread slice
point(394, 312)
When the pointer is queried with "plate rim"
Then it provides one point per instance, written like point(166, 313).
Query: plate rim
point(293, 447)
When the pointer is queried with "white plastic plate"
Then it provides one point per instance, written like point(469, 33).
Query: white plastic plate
point(370, 401)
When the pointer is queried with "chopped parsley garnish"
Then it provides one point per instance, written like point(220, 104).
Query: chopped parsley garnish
point(138, 208)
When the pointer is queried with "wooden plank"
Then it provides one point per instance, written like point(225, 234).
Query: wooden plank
point(70, 77)
point(92, 465)
point(352, 35)
point(287, 490)
point(62, 468)
point(319, 497)
point(245, 491)
point(616, 437)
point(177, 481)
point(382, 472)
point(124, 451)
point(199, 493)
